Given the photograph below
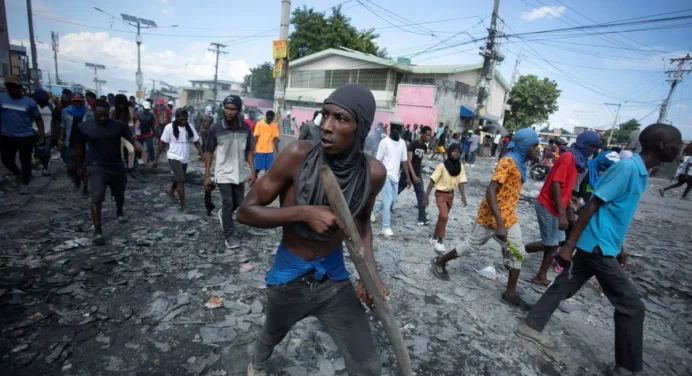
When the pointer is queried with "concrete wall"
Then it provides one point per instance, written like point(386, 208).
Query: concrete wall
point(415, 104)
point(334, 62)
point(495, 99)
point(256, 102)
point(468, 77)
point(319, 95)
point(448, 103)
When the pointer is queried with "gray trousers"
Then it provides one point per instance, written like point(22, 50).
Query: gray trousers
point(338, 309)
point(231, 197)
point(629, 309)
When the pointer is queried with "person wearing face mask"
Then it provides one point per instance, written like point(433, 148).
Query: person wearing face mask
point(393, 154)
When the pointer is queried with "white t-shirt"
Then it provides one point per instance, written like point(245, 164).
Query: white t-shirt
point(178, 149)
point(497, 139)
point(391, 153)
point(683, 165)
point(47, 116)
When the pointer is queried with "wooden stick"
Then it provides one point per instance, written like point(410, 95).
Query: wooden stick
point(367, 272)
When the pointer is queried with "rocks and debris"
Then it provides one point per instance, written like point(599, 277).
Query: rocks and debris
point(138, 303)
point(214, 302)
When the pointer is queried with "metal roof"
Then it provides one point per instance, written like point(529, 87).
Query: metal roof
point(403, 66)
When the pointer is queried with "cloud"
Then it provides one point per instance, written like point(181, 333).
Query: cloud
point(168, 11)
point(549, 12)
point(681, 106)
point(120, 58)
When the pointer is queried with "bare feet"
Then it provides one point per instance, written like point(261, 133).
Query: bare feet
point(540, 281)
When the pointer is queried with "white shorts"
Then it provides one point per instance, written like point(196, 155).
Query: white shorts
point(481, 234)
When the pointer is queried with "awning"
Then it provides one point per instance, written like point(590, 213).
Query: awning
point(466, 112)
point(489, 118)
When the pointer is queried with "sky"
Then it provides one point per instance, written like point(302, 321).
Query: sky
point(590, 70)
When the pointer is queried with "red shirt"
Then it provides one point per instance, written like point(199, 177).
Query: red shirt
point(564, 172)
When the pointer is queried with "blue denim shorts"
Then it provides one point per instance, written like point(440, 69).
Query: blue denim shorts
point(551, 235)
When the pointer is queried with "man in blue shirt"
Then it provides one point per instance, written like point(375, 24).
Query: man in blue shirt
point(597, 237)
point(17, 112)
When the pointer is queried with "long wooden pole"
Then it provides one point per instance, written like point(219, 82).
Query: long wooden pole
point(366, 271)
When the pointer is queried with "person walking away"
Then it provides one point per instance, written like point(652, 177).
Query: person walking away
point(65, 102)
point(308, 277)
point(447, 175)
point(416, 152)
point(147, 124)
point(393, 155)
point(551, 206)
point(164, 115)
point(101, 138)
point(474, 144)
point(178, 136)
point(267, 139)
point(17, 135)
point(441, 147)
point(497, 139)
point(594, 249)
point(310, 131)
point(205, 123)
point(71, 117)
point(231, 143)
point(497, 216)
point(684, 174)
point(43, 148)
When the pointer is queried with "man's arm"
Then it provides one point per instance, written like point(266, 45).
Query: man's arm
point(404, 167)
point(579, 225)
point(162, 146)
point(275, 143)
point(462, 193)
point(254, 211)
point(381, 149)
point(556, 191)
point(412, 173)
point(40, 126)
point(491, 195)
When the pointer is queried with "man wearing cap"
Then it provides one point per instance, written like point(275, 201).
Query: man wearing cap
point(231, 142)
point(17, 135)
point(74, 114)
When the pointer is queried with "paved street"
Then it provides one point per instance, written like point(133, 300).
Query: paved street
point(136, 306)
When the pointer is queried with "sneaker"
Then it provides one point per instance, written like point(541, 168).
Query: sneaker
point(433, 239)
point(472, 165)
point(55, 155)
point(620, 371)
point(424, 222)
point(440, 248)
point(45, 172)
point(388, 232)
point(439, 270)
point(373, 217)
point(517, 301)
point(251, 371)
point(98, 239)
point(662, 192)
point(232, 242)
point(122, 219)
point(530, 334)
point(24, 190)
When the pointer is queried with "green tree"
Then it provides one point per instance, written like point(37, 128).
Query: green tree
point(622, 134)
point(260, 81)
point(532, 101)
point(315, 32)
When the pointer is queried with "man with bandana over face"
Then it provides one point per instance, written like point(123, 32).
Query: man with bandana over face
point(309, 277)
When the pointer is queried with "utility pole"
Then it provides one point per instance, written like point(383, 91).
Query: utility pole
point(515, 75)
point(153, 86)
point(34, 64)
point(615, 121)
point(55, 39)
point(490, 56)
point(140, 23)
point(674, 77)
point(218, 52)
point(96, 68)
point(280, 85)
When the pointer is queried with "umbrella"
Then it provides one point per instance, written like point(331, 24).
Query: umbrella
point(494, 128)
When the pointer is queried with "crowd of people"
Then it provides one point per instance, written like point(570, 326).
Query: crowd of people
point(584, 208)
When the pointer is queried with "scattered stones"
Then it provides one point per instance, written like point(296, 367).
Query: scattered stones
point(212, 335)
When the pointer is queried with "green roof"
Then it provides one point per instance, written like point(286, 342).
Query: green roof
point(402, 66)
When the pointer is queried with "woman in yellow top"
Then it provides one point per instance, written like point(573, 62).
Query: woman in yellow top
point(447, 176)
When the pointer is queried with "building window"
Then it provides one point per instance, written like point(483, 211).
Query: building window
point(225, 88)
point(373, 79)
point(423, 80)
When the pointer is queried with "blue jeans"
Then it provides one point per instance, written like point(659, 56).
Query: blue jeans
point(472, 156)
point(148, 143)
point(389, 198)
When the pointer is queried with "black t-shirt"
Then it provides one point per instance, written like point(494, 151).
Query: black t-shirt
point(442, 141)
point(418, 149)
point(104, 142)
point(75, 133)
point(146, 120)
